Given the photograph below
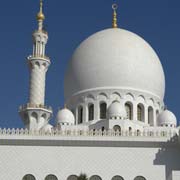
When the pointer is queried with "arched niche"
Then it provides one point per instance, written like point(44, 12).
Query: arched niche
point(95, 177)
point(140, 112)
point(103, 110)
point(150, 116)
point(28, 177)
point(51, 177)
point(91, 112)
point(129, 110)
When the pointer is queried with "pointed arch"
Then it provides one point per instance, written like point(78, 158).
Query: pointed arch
point(140, 112)
point(90, 96)
point(103, 95)
point(151, 101)
point(129, 96)
point(34, 116)
point(103, 110)
point(150, 115)
point(91, 112)
point(116, 95)
point(80, 115)
point(129, 110)
point(44, 116)
point(141, 99)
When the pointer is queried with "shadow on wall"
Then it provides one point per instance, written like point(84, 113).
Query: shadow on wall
point(169, 156)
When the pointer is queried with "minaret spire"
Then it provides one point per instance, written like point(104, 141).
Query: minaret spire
point(114, 23)
point(40, 16)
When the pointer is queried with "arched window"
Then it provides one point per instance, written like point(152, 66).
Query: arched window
point(117, 178)
point(34, 116)
point(150, 116)
point(103, 109)
point(29, 177)
point(117, 128)
point(26, 118)
point(44, 116)
point(91, 112)
point(129, 111)
point(157, 113)
point(80, 115)
point(130, 129)
point(72, 177)
point(140, 112)
point(138, 132)
point(139, 178)
point(95, 177)
point(51, 177)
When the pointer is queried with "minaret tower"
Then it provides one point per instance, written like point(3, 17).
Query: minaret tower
point(35, 114)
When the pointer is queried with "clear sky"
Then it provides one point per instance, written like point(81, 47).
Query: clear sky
point(68, 23)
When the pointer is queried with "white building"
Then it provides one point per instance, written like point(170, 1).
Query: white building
point(114, 125)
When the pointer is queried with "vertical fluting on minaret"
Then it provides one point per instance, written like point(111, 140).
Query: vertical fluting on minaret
point(38, 62)
point(35, 114)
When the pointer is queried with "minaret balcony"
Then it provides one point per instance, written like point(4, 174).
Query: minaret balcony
point(35, 107)
point(40, 31)
point(39, 57)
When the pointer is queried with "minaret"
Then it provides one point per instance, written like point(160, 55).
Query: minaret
point(35, 114)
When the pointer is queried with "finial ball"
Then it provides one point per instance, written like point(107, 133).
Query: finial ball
point(114, 6)
point(40, 15)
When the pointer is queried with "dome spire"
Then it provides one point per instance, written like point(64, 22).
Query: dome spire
point(40, 16)
point(114, 23)
point(65, 106)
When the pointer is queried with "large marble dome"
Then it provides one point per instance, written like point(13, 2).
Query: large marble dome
point(115, 59)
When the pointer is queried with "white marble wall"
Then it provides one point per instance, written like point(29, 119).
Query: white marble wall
point(44, 155)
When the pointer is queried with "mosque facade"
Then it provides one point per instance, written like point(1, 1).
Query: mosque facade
point(114, 126)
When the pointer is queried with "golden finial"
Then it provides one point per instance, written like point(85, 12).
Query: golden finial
point(40, 15)
point(114, 24)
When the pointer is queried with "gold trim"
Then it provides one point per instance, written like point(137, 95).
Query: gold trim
point(114, 23)
point(40, 15)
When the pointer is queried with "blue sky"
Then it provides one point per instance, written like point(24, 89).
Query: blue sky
point(70, 22)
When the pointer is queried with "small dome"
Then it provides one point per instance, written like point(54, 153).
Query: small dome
point(167, 118)
point(65, 117)
point(116, 110)
point(47, 128)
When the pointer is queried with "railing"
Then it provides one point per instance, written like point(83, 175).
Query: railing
point(88, 133)
point(39, 56)
point(23, 107)
point(39, 31)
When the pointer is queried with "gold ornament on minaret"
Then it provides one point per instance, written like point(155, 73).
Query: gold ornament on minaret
point(114, 24)
point(40, 15)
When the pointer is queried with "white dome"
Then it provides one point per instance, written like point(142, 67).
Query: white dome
point(115, 59)
point(65, 116)
point(117, 110)
point(167, 118)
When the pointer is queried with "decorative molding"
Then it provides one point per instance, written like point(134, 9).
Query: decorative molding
point(89, 133)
